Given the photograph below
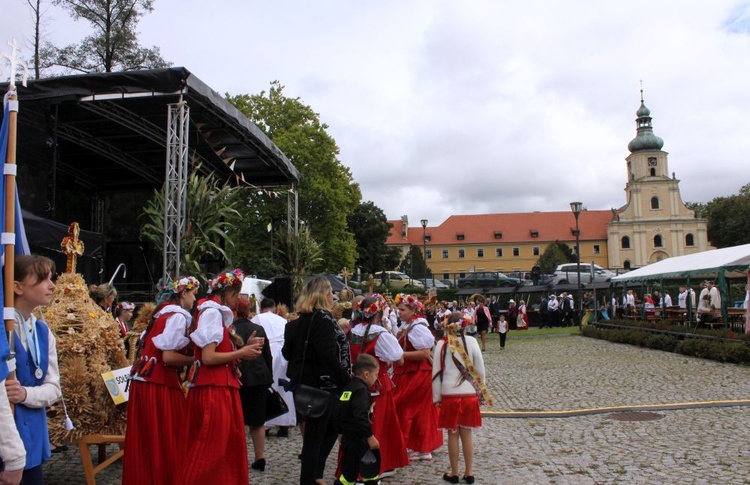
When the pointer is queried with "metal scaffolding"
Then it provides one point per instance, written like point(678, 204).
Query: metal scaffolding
point(175, 186)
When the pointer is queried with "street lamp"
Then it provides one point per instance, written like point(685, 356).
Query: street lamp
point(424, 248)
point(577, 207)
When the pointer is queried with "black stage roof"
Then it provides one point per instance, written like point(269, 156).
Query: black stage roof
point(111, 131)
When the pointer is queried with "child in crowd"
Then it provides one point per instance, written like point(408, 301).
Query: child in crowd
point(354, 421)
point(502, 329)
point(157, 406)
point(38, 377)
point(215, 449)
point(458, 388)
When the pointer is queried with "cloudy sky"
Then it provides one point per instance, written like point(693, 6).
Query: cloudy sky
point(467, 106)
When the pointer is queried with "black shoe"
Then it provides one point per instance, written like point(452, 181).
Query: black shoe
point(469, 478)
point(59, 449)
point(450, 479)
point(283, 432)
point(259, 465)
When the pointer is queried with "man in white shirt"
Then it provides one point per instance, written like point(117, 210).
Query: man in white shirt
point(682, 297)
point(667, 300)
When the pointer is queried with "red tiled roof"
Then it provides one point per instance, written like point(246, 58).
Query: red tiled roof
point(517, 227)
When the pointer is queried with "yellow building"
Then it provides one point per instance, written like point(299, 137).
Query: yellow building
point(653, 224)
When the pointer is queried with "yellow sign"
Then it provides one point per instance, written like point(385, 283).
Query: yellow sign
point(117, 382)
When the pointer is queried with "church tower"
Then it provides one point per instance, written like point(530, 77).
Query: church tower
point(654, 224)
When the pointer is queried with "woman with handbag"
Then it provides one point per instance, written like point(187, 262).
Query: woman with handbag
point(215, 448)
point(157, 406)
point(369, 336)
point(318, 355)
point(255, 379)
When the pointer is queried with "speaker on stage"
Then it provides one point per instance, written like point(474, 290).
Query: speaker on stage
point(280, 290)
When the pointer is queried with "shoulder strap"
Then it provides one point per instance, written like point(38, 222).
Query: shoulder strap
point(304, 347)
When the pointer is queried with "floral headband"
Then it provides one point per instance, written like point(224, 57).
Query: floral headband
point(408, 301)
point(374, 308)
point(126, 305)
point(187, 283)
point(458, 326)
point(225, 280)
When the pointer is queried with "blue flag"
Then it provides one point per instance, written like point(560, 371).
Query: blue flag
point(22, 244)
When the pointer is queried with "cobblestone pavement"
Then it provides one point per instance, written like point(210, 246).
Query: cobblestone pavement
point(687, 446)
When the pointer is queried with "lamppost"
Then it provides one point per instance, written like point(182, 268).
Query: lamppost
point(424, 248)
point(577, 207)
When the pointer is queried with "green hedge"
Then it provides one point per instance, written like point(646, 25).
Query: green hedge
point(687, 344)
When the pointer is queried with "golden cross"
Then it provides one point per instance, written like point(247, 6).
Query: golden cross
point(346, 274)
point(72, 247)
point(371, 283)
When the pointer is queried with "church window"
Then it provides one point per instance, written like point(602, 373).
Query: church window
point(689, 240)
point(625, 242)
point(626, 264)
point(654, 202)
point(653, 172)
point(657, 241)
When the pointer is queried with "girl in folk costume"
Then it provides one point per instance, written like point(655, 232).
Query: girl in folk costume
point(157, 406)
point(215, 450)
point(522, 318)
point(458, 388)
point(38, 378)
point(369, 336)
point(413, 395)
point(123, 314)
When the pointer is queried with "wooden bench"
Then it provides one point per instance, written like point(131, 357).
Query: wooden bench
point(101, 440)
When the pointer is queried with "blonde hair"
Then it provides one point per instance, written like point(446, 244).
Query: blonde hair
point(314, 295)
point(100, 292)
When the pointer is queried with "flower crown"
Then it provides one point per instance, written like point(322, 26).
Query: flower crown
point(374, 308)
point(458, 326)
point(225, 280)
point(407, 300)
point(187, 283)
point(126, 305)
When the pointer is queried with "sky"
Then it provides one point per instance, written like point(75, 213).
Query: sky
point(469, 107)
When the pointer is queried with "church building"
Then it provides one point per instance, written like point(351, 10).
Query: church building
point(654, 224)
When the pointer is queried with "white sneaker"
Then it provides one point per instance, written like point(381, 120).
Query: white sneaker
point(388, 473)
point(420, 456)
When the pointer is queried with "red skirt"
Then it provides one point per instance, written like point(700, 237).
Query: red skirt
point(418, 416)
point(460, 411)
point(155, 431)
point(387, 429)
point(215, 449)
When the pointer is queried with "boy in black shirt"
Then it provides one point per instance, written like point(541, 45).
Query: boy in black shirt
point(354, 422)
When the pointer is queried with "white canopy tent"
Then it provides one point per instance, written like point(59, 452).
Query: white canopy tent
point(735, 259)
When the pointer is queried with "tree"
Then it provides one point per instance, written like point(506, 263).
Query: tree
point(414, 264)
point(370, 228)
point(555, 253)
point(729, 219)
point(113, 46)
point(211, 216)
point(37, 12)
point(297, 254)
point(327, 192)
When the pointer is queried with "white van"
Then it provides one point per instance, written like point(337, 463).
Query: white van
point(568, 273)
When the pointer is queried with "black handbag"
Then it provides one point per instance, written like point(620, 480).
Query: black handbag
point(309, 401)
point(275, 404)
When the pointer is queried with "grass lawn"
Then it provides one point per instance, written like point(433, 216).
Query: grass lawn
point(535, 332)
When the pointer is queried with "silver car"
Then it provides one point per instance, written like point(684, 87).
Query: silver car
point(568, 273)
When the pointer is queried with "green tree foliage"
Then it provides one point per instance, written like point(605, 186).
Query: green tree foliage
point(113, 45)
point(555, 253)
point(729, 219)
point(211, 216)
point(414, 265)
point(296, 254)
point(370, 228)
point(327, 191)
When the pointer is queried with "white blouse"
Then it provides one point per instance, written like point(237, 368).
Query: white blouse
point(387, 348)
point(174, 336)
point(420, 335)
point(213, 319)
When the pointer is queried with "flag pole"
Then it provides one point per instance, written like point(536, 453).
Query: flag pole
point(9, 170)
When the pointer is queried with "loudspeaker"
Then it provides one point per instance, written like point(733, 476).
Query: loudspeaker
point(280, 290)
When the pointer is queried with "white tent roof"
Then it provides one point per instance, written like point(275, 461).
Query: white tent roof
point(706, 263)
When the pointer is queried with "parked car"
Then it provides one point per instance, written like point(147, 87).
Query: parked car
point(525, 276)
point(396, 279)
point(568, 273)
point(432, 282)
point(448, 283)
point(487, 279)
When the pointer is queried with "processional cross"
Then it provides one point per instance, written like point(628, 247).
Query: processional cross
point(14, 61)
point(345, 274)
point(72, 247)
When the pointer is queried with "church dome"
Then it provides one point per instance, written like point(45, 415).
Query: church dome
point(644, 138)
